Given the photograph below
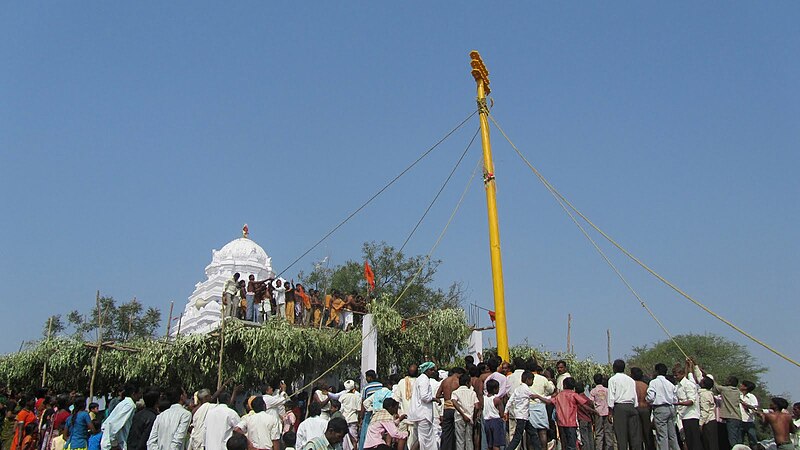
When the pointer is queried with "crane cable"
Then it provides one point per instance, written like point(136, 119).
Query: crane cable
point(436, 197)
point(558, 195)
point(407, 286)
point(380, 191)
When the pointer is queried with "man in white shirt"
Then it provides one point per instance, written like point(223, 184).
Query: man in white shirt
point(117, 425)
point(687, 392)
point(661, 396)
point(279, 294)
point(263, 430)
point(351, 405)
point(748, 417)
point(561, 368)
point(421, 408)
point(274, 401)
point(313, 427)
point(170, 428)
point(622, 401)
point(197, 438)
point(514, 380)
point(220, 423)
point(402, 393)
point(537, 413)
point(229, 294)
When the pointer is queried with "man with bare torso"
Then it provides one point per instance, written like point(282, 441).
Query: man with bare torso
point(779, 420)
point(445, 391)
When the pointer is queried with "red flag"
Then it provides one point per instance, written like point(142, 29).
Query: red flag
point(491, 315)
point(369, 276)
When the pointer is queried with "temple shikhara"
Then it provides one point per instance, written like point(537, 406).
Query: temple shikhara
point(204, 308)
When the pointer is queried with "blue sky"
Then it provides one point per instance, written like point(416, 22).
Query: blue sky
point(136, 137)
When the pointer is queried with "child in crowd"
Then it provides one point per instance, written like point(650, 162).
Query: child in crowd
point(96, 437)
point(492, 412)
point(289, 439)
point(94, 409)
point(289, 418)
point(567, 403)
point(466, 402)
point(31, 437)
point(58, 442)
point(336, 409)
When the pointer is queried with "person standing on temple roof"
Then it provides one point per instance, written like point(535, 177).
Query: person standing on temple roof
point(279, 294)
point(316, 307)
point(302, 304)
point(290, 301)
point(250, 297)
point(229, 293)
point(241, 309)
point(258, 301)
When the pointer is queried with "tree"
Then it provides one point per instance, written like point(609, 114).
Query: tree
point(129, 320)
point(717, 355)
point(53, 326)
point(393, 271)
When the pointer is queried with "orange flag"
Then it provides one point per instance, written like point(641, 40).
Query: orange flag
point(369, 276)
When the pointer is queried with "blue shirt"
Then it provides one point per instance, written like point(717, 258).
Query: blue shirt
point(94, 441)
point(79, 430)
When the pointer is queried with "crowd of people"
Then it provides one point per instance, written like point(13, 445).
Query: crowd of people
point(262, 300)
point(487, 406)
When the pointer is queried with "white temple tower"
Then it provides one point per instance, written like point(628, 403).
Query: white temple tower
point(202, 312)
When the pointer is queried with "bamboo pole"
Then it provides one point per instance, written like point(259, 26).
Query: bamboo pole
point(99, 346)
point(180, 321)
point(44, 368)
point(169, 321)
point(221, 349)
point(608, 336)
point(569, 333)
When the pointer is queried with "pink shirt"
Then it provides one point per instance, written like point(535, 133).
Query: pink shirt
point(502, 380)
point(599, 395)
point(376, 431)
point(567, 403)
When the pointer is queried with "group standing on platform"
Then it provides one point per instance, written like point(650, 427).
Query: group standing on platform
point(261, 300)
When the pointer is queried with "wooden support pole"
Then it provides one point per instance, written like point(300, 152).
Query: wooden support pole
point(99, 346)
point(569, 333)
point(169, 321)
point(44, 368)
point(608, 335)
point(221, 348)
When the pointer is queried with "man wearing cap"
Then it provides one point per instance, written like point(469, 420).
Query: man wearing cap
point(351, 405)
point(421, 407)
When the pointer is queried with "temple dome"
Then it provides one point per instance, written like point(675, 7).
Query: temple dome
point(242, 249)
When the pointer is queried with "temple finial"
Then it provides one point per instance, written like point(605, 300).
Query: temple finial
point(245, 232)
